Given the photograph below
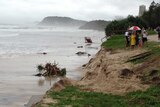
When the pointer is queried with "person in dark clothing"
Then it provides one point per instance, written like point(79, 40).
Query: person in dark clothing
point(137, 38)
point(158, 31)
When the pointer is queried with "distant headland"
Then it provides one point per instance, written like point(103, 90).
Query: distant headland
point(70, 22)
point(61, 21)
point(95, 25)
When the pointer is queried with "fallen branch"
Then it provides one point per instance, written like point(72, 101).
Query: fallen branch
point(50, 69)
point(139, 56)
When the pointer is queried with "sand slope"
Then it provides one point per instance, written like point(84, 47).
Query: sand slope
point(102, 73)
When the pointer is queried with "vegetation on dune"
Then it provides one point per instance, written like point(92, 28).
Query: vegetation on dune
point(151, 32)
point(154, 48)
point(74, 97)
point(118, 42)
point(115, 42)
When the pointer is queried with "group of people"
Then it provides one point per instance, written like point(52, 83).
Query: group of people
point(136, 38)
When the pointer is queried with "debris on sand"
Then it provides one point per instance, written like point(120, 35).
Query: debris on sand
point(139, 56)
point(88, 40)
point(43, 53)
point(50, 69)
point(81, 53)
point(79, 46)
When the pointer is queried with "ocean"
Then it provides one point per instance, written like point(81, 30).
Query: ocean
point(21, 49)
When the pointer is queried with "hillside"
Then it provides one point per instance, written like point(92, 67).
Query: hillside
point(95, 25)
point(61, 21)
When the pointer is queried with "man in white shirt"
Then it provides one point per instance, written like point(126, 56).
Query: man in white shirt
point(144, 36)
point(127, 38)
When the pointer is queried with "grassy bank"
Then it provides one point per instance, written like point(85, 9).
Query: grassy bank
point(154, 48)
point(74, 97)
point(151, 32)
point(118, 42)
point(115, 42)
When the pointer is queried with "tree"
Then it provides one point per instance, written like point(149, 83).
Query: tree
point(150, 19)
point(119, 27)
point(152, 16)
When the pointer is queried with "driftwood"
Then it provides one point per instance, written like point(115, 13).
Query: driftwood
point(50, 70)
point(81, 53)
point(79, 46)
point(43, 53)
point(139, 56)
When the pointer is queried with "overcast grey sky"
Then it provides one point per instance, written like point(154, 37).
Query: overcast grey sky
point(28, 11)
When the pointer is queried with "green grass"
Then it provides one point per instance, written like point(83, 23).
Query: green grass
point(151, 32)
point(153, 47)
point(137, 61)
point(115, 42)
point(118, 42)
point(149, 98)
point(73, 97)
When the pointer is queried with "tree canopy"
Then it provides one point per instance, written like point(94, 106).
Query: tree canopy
point(150, 19)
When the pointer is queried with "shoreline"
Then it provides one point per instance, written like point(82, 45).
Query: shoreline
point(100, 84)
point(37, 98)
point(104, 73)
point(17, 78)
point(21, 56)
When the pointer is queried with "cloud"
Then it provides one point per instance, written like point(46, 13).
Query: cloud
point(24, 11)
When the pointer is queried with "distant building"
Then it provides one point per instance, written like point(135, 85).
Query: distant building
point(142, 9)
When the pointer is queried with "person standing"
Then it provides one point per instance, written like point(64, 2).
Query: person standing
point(133, 39)
point(144, 36)
point(137, 38)
point(158, 31)
point(142, 31)
point(127, 38)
